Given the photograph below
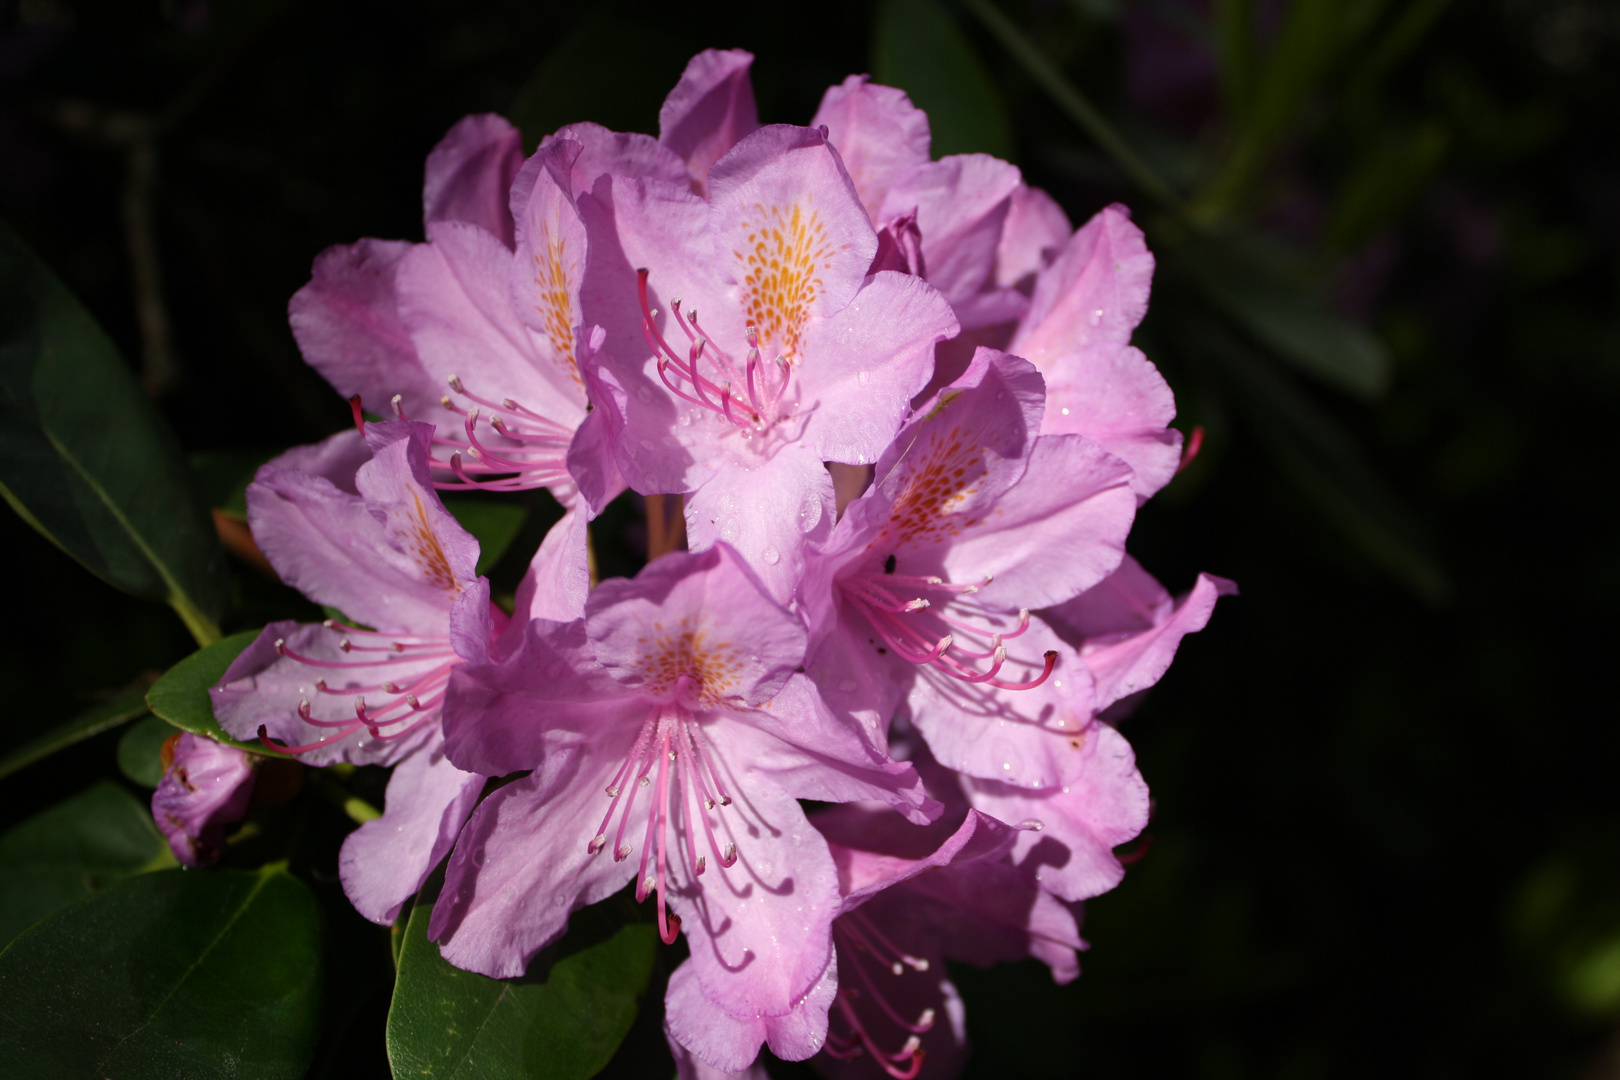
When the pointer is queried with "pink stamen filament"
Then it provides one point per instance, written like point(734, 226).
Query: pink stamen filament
point(856, 939)
point(887, 613)
point(417, 701)
point(539, 459)
point(669, 738)
point(751, 411)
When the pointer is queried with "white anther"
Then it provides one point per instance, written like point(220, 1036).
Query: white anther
point(320, 684)
point(644, 781)
point(622, 853)
point(917, 604)
point(702, 863)
point(455, 384)
point(708, 804)
point(596, 843)
point(730, 853)
point(397, 403)
point(648, 883)
point(445, 401)
point(391, 687)
point(613, 791)
point(410, 699)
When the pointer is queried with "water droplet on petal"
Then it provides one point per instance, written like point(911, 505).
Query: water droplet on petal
point(1096, 316)
point(771, 556)
point(860, 377)
point(1032, 824)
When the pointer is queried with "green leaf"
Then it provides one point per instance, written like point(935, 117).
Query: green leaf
point(180, 973)
point(918, 46)
point(181, 696)
point(140, 750)
point(69, 851)
point(1323, 344)
point(87, 460)
point(1050, 78)
point(562, 1020)
point(104, 717)
point(494, 524)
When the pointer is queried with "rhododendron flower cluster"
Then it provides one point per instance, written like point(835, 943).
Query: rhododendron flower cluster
point(899, 404)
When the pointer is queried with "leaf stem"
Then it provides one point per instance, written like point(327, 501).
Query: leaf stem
point(1077, 106)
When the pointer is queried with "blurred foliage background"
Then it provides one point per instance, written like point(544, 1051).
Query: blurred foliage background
point(1387, 831)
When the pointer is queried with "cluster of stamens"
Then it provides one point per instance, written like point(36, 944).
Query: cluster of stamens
point(669, 756)
point(748, 395)
point(881, 598)
point(534, 453)
point(409, 704)
point(874, 960)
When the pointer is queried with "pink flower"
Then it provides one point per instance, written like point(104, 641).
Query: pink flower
point(670, 736)
point(1077, 332)
point(913, 897)
point(385, 552)
point(798, 358)
point(205, 787)
point(1125, 632)
point(927, 582)
point(981, 231)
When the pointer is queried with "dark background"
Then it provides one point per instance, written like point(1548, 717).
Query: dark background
point(1387, 829)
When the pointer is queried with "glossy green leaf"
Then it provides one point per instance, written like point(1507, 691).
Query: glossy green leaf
point(120, 710)
point(181, 696)
point(181, 973)
point(140, 750)
point(87, 460)
point(562, 1020)
point(918, 46)
point(69, 851)
point(1322, 343)
point(494, 524)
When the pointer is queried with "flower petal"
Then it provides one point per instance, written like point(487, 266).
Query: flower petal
point(878, 132)
point(1031, 738)
point(470, 172)
point(961, 203)
point(709, 111)
point(1102, 806)
point(1035, 232)
point(385, 861)
point(346, 322)
point(521, 867)
point(1101, 619)
point(768, 509)
point(864, 365)
point(703, 613)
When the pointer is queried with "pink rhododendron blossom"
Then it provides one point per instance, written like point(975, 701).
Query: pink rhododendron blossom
point(205, 787)
point(1127, 627)
point(1077, 331)
point(671, 736)
point(391, 557)
point(746, 343)
point(928, 580)
point(912, 897)
point(980, 232)
point(478, 331)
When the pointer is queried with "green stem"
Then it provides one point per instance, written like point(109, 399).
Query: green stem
point(1075, 104)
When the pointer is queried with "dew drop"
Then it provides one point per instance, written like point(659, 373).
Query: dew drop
point(860, 377)
point(1065, 410)
point(1096, 316)
point(1032, 824)
point(730, 530)
point(771, 556)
